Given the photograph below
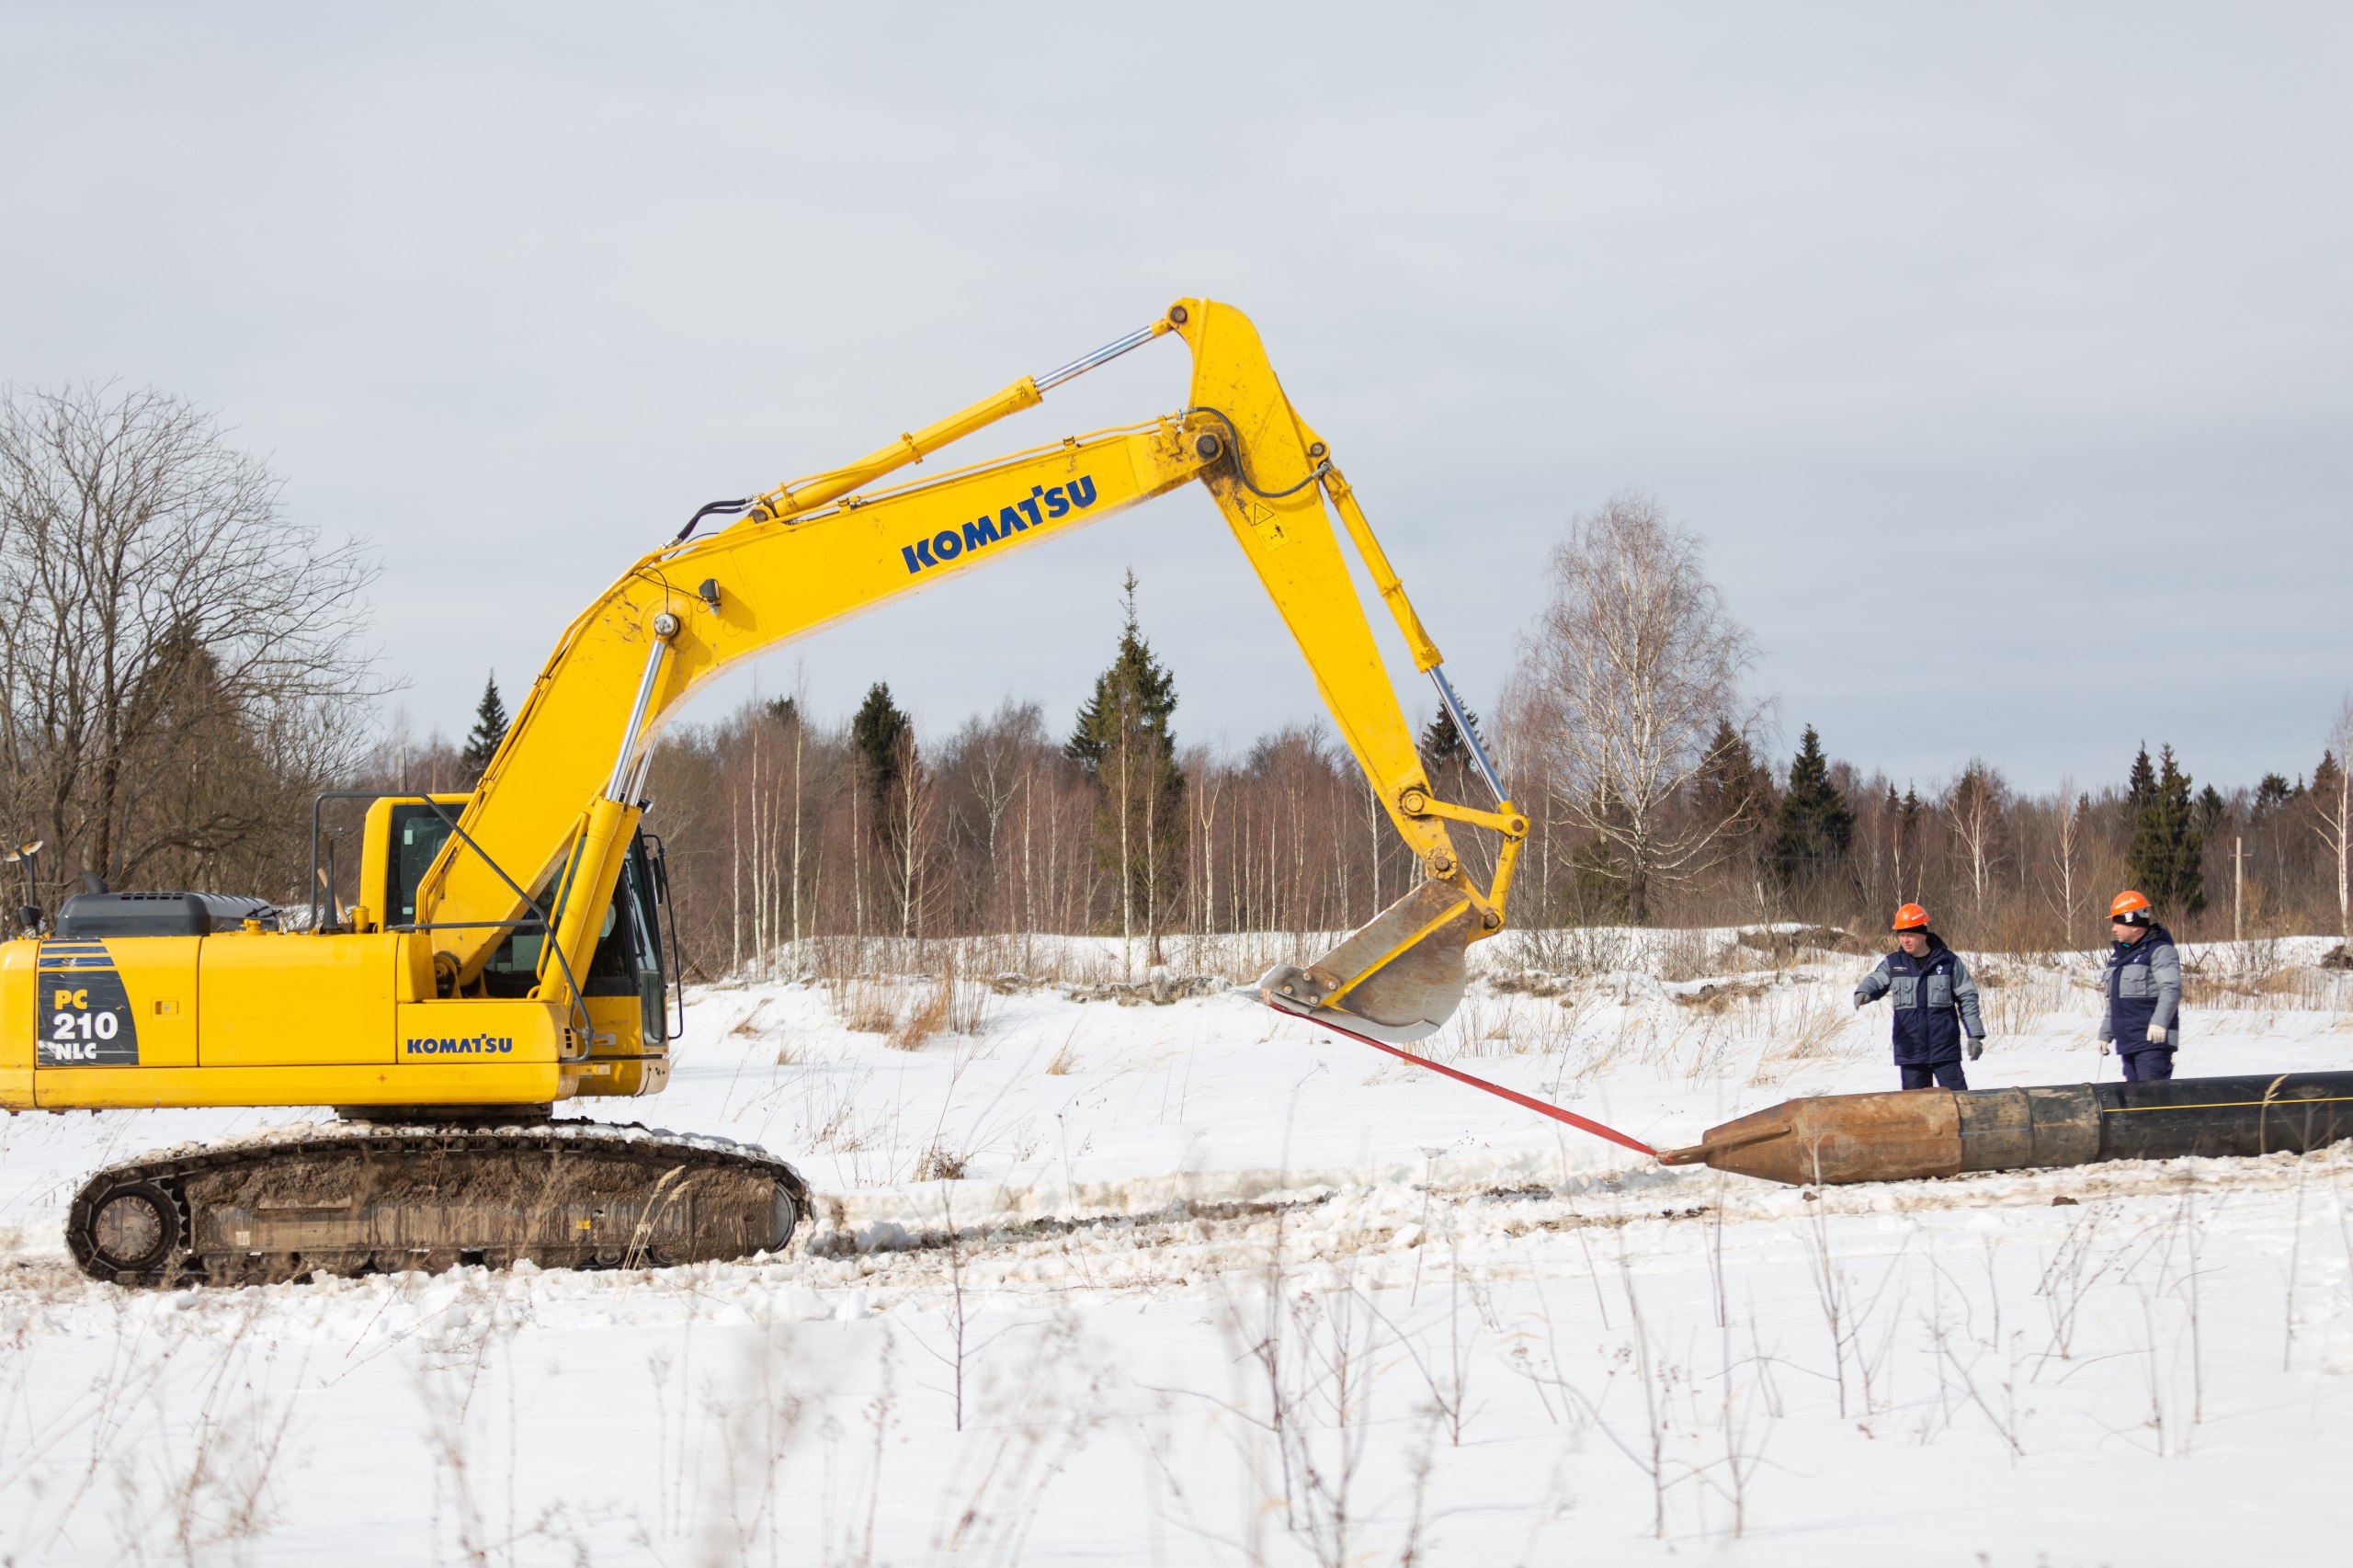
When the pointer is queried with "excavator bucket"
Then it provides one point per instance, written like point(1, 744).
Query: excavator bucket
point(1396, 979)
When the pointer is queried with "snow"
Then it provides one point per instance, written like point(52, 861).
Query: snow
point(1229, 1289)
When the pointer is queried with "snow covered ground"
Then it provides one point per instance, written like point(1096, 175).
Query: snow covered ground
point(1210, 1286)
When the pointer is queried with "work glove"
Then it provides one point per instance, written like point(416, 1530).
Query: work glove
point(1976, 1047)
point(1861, 1001)
point(2157, 1034)
point(2104, 1048)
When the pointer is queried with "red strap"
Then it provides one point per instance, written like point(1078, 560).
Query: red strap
point(1555, 1112)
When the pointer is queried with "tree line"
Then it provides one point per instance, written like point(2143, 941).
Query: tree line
point(183, 671)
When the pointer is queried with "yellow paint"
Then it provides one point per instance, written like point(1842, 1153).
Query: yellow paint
point(20, 1020)
point(156, 970)
point(522, 1030)
point(626, 1067)
point(277, 998)
point(104, 1088)
point(295, 1019)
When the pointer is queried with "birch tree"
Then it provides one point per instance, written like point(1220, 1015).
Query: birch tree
point(2066, 857)
point(1632, 665)
point(1977, 808)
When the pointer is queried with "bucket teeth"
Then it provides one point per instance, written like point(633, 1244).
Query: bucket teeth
point(1397, 979)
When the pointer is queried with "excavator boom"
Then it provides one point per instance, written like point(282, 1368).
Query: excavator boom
point(816, 551)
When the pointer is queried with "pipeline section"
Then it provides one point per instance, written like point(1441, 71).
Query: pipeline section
point(1910, 1134)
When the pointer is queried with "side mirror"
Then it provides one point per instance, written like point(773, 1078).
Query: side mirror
point(28, 916)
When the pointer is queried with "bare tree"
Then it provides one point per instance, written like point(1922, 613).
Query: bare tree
point(1633, 665)
point(181, 659)
point(2333, 813)
point(2066, 857)
point(1978, 807)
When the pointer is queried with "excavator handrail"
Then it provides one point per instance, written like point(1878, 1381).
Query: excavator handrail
point(537, 918)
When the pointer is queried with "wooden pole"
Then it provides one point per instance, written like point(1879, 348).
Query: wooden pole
point(2238, 888)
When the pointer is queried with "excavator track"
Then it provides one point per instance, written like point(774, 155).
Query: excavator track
point(340, 1198)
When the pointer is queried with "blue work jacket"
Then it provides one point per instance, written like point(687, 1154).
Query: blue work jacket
point(1936, 1003)
point(2143, 988)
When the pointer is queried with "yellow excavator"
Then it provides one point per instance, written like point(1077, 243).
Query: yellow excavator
point(506, 948)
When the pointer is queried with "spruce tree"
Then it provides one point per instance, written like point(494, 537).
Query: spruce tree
point(2326, 779)
point(2213, 812)
point(1442, 747)
point(2140, 786)
point(1124, 746)
point(481, 741)
point(1733, 794)
point(875, 732)
point(2167, 849)
point(2271, 794)
point(1732, 785)
point(1815, 825)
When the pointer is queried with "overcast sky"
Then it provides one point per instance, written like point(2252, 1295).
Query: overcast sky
point(2001, 356)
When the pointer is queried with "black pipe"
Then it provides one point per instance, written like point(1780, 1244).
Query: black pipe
point(2269, 1113)
point(2266, 1113)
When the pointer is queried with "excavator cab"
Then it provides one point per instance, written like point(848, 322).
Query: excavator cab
point(628, 984)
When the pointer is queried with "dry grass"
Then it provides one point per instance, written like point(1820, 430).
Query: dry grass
point(941, 1164)
point(926, 1018)
point(2015, 1003)
point(1685, 955)
point(865, 1005)
point(1808, 1029)
point(2255, 980)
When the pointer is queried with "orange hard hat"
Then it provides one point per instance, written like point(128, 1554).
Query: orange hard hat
point(1910, 917)
point(2127, 904)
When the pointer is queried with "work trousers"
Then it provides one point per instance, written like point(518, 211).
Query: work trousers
point(2147, 1066)
point(1937, 1075)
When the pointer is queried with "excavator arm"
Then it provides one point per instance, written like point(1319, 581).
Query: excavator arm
point(545, 831)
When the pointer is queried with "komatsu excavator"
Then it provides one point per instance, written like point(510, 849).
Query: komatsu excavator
point(506, 949)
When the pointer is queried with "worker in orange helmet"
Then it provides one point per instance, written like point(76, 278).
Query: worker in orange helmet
point(1936, 1004)
point(2142, 1020)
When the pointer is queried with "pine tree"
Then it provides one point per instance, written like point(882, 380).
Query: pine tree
point(481, 741)
point(2168, 847)
point(1123, 743)
point(1815, 825)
